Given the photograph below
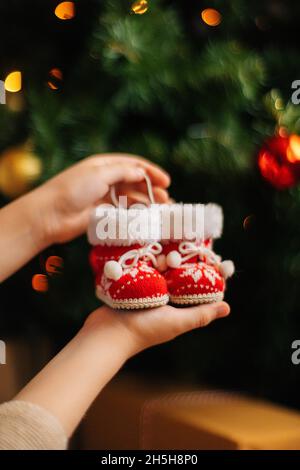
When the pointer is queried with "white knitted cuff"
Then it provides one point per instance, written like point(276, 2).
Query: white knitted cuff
point(118, 226)
point(112, 226)
point(25, 426)
point(183, 221)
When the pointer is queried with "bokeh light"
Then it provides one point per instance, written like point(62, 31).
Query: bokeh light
point(279, 104)
point(139, 7)
point(282, 131)
point(211, 17)
point(65, 10)
point(293, 150)
point(13, 82)
point(54, 264)
point(40, 283)
point(55, 78)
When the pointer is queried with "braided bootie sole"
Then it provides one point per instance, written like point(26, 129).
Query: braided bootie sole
point(196, 299)
point(133, 304)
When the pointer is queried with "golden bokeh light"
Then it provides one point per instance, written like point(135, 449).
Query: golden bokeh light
point(54, 264)
point(13, 82)
point(139, 7)
point(65, 10)
point(293, 150)
point(278, 104)
point(40, 283)
point(211, 17)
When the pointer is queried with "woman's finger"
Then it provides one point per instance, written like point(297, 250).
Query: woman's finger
point(160, 194)
point(88, 185)
point(158, 176)
point(116, 173)
point(137, 192)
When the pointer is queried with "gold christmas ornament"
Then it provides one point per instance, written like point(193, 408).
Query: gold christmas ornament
point(139, 7)
point(19, 169)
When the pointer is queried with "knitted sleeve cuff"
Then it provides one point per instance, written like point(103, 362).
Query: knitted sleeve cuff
point(25, 426)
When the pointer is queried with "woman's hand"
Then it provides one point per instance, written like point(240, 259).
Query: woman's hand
point(71, 381)
point(68, 198)
point(59, 210)
point(142, 329)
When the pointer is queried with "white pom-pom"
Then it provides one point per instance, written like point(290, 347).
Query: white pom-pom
point(113, 270)
point(161, 263)
point(226, 269)
point(174, 259)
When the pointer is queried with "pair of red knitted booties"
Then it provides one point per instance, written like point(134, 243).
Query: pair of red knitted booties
point(147, 257)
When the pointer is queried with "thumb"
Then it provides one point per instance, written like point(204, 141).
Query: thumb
point(203, 315)
point(195, 317)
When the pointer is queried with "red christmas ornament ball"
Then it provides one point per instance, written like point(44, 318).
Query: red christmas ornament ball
point(279, 161)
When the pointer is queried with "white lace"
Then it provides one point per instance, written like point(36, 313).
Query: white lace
point(131, 258)
point(114, 198)
point(191, 249)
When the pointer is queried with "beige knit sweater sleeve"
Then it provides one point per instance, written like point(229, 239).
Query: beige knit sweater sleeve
point(25, 426)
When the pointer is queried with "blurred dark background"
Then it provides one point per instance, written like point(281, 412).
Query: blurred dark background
point(202, 88)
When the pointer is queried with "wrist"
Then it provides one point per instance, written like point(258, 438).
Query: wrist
point(105, 326)
point(37, 212)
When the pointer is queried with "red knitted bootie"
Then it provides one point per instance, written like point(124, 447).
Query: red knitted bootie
point(194, 273)
point(124, 257)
